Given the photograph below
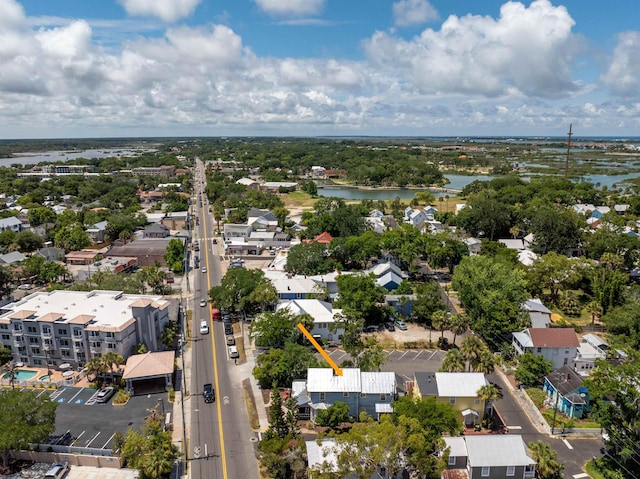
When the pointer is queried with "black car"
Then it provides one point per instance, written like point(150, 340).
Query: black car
point(208, 393)
point(389, 326)
point(370, 328)
point(228, 329)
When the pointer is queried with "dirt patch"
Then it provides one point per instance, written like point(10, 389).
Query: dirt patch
point(250, 403)
point(415, 337)
point(266, 395)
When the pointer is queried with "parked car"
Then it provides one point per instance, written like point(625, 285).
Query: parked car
point(231, 340)
point(401, 325)
point(390, 327)
point(208, 393)
point(227, 328)
point(105, 394)
point(57, 470)
point(233, 352)
point(370, 328)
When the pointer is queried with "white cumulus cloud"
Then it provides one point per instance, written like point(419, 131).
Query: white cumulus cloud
point(413, 12)
point(530, 48)
point(166, 10)
point(291, 7)
point(623, 74)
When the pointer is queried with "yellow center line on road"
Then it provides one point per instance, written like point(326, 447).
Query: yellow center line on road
point(213, 347)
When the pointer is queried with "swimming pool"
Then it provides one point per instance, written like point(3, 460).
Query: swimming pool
point(21, 374)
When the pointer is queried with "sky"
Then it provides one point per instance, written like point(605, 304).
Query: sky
point(113, 68)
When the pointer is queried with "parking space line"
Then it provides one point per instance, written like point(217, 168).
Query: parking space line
point(432, 355)
point(92, 439)
point(418, 355)
point(566, 443)
point(108, 441)
point(44, 391)
point(403, 355)
point(80, 435)
point(76, 395)
point(62, 436)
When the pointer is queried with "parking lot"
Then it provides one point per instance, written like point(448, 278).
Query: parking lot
point(82, 421)
point(403, 362)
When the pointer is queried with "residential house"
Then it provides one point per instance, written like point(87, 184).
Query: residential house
point(539, 314)
point(430, 211)
point(73, 326)
point(322, 313)
point(82, 257)
point(458, 389)
point(323, 458)
point(156, 230)
point(529, 241)
point(414, 216)
point(262, 220)
point(564, 388)
point(369, 392)
point(11, 223)
point(289, 286)
point(591, 348)
point(621, 209)
point(388, 275)
point(474, 245)
point(322, 238)
point(402, 304)
point(516, 244)
point(249, 183)
point(376, 224)
point(559, 345)
point(51, 253)
point(97, 231)
point(318, 170)
point(503, 456)
point(13, 257)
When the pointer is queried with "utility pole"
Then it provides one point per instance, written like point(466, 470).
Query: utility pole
point(566, 163)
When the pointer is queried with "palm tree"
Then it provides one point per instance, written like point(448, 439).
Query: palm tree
point(459, 325)
point(12, 373)
point(486, 362)
point(454, 362)
point(441, 320)
point(487, 394)
point(125, 235)
point(112, 360)
point(97, 367)
point(547, 466)
point(471, 349)
point(594, 308)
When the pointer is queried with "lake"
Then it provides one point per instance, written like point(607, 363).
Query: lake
point(56, 156)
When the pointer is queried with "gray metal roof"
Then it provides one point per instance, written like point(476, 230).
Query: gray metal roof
point(497, 451)
point(457, 445)
point(378, 382)
point(325, 380)
point(460, 384)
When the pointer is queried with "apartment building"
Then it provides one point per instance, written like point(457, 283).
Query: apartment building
point(71, 327)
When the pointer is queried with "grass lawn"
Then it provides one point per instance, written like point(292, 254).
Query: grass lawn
point(298, 199)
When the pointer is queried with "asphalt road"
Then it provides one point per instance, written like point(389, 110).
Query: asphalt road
point(222, 443)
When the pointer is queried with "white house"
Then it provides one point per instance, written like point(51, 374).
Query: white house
point(12, 223)
point(322, 313)
point(559, 345)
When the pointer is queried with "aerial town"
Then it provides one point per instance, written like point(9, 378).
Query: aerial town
point(302, 319)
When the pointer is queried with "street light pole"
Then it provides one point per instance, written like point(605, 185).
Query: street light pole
point(555, 411)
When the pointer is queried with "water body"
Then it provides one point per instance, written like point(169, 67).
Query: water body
point(56, 156)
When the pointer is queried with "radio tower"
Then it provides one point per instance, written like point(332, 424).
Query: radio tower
point(566, 163)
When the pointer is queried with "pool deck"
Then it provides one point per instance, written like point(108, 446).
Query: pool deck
point(55, 377)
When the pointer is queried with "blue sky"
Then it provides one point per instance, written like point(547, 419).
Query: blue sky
point(77, 68)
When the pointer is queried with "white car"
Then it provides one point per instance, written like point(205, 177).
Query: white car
point(204, 327)
point(203, 302)
point(204, 270)
point(233, 352)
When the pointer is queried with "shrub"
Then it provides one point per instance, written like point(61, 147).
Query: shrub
point(537, 396)
point(172, 394)
point(122, 397)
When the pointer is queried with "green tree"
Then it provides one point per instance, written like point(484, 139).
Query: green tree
point(277, 421)
point(554, 271)
point(282, 366)
point(52, 272)
point(485, 215)
point(242, 290)
point(454, 362)
point(459, 324)
point(608, 286)
point(475, 352)
point(491, 293)
point(310, 187)
point(444, 251)
point(362, 296)
point(428, 300)
point(334, 415)
point(613, 388)
point(547, 464)
point(40, 216)
point(274, 329)
point(72, 238)
point(174, 255)
point(554, 227)
point(309, 259)
point(487, 394)
point(27, 417)
point(29, 241)
point(532, 369)
point(441, 320)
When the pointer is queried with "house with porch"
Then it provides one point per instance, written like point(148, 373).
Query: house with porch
point(369, 392)
point(458, 389)
point(565, 388)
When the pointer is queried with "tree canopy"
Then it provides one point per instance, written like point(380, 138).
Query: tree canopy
point(243, 290)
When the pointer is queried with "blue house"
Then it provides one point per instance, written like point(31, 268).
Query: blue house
point(565, 386)
point(371, 392)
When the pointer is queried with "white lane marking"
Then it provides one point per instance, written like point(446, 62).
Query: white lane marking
point(515, 428)
point(91, 440)
point(433, 354)
point(76, 395)
point(108, 441)
point(581, 475)
point(566, 443)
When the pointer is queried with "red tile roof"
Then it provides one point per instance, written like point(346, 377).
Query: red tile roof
point(554, 337)
point(323, 238)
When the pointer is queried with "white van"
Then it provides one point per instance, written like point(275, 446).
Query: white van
point(204, 327)
point(57, 471)
point(233, 352)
